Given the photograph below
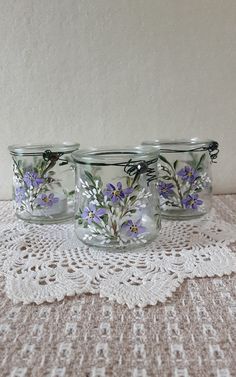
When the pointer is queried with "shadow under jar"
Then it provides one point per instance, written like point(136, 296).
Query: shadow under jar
point(117, 203)
point(185, 181)
point(43, 182)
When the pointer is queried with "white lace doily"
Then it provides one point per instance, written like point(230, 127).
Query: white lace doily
point(47, 263)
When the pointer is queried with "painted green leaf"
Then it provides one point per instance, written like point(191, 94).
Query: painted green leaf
point(89, 176)
point(202, 159)
point(185, 193)
point(128, 181)
point(175, 164)
point(133, 199)
point(166, 170)
point(162, 158)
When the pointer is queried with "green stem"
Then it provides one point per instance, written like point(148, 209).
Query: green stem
point(20, 172)
point(173, 176)
point(49, 167)
point(179, 190)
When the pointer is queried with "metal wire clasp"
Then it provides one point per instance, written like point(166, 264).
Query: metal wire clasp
point(53, 157)
point(213, 150)
point(141, 167)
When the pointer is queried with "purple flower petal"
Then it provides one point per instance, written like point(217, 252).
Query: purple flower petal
point(107, 193)
point(96, 219)
point(127, 224)
point(116, 193)
point(39, 181)
point(114, 199)
point(47, 200)
point(130, 234)
point(101, 212)
point(85, 213)
point(141, 229)
point(31, 178)
point(110, 187)
point(128, 191)
point(165, 189)
point(122, 195)
point(133, 229)
point(192, 201)
point(92, 207)
point(199, 202)
point(91, 214)
point(20, 194)
point(188, 174)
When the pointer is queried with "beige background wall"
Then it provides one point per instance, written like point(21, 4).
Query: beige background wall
point(116, 72)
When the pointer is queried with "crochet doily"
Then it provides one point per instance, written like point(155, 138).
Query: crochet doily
point(47, 263)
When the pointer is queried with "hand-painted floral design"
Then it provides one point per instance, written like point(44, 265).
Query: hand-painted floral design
point(192, 201)
point(47, 200)
point(133, 229)
point(92, 214)
point(20, 194)
point(188, 174)
point(180, 184)
point(165, 189)
point(34, 186)
point(112, 212)
point(117, 193)
point(32, 179)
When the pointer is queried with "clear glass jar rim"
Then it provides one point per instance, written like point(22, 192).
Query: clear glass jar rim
point(180, 145)
point(109, 156)
point(39, 149)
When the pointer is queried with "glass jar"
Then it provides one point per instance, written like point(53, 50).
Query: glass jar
point(185, 181)
point(117, 204)
point(43, 182)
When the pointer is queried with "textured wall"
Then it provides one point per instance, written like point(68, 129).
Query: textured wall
point(116, 72)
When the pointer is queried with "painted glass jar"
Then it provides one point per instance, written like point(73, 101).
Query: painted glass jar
point(117, 203)
point(185, 180)
point(43, 182)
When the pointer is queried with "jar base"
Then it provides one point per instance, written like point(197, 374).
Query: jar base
point(181, 214)
point(114, 247)
point(54, 219)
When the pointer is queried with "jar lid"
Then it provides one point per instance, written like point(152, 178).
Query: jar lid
point(183, 145)
point(39, 149)
point(115, 156)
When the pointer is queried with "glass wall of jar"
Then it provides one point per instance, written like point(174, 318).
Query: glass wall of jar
point(185, 180)
point(117, 203)
point(43, 182)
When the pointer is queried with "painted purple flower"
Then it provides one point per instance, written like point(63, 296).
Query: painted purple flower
point(47, 200)
point(192, 201)
point(92, 214)
point(32, 179)
point(20, 194)
point(188, 174)
point(133, 229)
point(165, 189)
point(117, 193)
